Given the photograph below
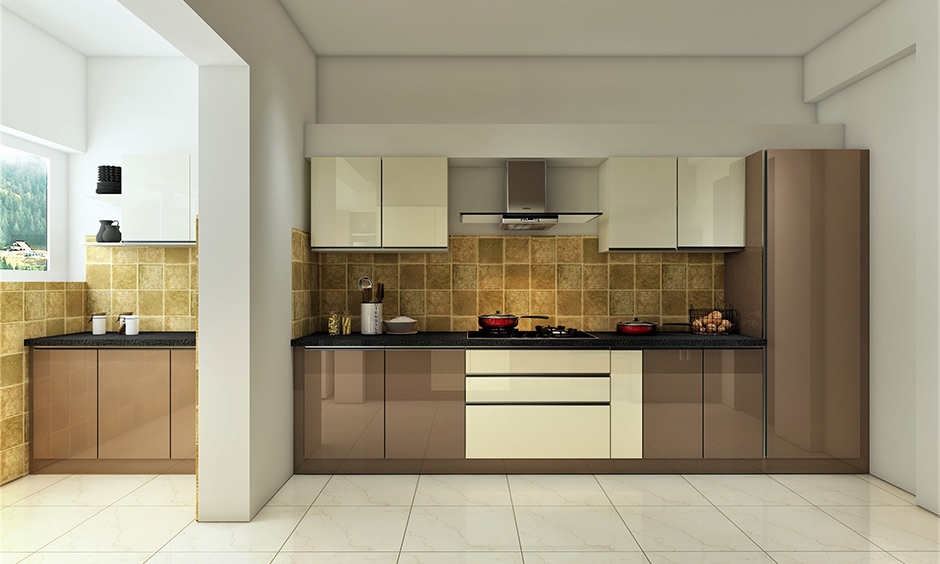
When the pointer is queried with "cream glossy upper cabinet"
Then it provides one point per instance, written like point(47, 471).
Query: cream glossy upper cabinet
point(157, 198)
point(414, 202)
point(637, 197)
point(345, 202)
point(711, 202)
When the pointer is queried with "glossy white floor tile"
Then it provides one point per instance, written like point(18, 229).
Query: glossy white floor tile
point(459, 529)
point(356, 529)
point(27, 529)
point(625, 489)
point(176, 490)
point(709, 558)
point(785, 529)
point(474, 519)
point(88, 558)
point(369, 490)
point(907, 528)
point(684, 529)
point(744, 490)
point(299, 491)
point(26, 486)
point(86, 490)
point(585, 558)
point(463, 490)
point(460, 558)
point(336, 558)
point(556, 489)
point(265, 533)
point(844, 489)
point(584, 528)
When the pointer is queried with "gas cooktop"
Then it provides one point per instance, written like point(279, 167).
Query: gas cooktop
point(560, 332)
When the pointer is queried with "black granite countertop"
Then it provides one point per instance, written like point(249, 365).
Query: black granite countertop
point(159, 339)
point(603, 341)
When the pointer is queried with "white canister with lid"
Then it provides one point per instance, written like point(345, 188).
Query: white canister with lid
point(99, 324)
point(131, 324)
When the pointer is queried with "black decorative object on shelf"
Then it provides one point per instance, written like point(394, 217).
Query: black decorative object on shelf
point(109, 180)
point(109, 232)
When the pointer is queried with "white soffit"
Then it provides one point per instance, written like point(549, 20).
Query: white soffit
point(571, 28)
point(94, 28)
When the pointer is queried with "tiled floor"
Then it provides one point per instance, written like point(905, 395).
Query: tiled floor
point(474, 520)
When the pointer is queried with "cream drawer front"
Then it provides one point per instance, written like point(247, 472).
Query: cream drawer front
point(538, 431)
point(538, 362)
point(538, 389)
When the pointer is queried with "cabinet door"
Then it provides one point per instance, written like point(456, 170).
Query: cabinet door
point(626, 404)
point(424, 404)
point(155, 198)
point(711, 202)
point(672, 404)
point(64, 404)
point(414, 202)
point(637, 196)
point(733, 404)
point(182, 403)
point(133, 403)
point(345, 202)
point(349, 423)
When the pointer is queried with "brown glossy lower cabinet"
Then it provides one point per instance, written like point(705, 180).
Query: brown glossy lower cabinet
point(733, 404)
point(64, 404)
point(123, 406)
point(672, 404)
point(424, 404)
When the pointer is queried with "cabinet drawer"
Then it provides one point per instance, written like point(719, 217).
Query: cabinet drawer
point(506, 362)
point(538, 431)
point(537, 389)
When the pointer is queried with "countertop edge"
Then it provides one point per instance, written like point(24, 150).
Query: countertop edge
point(161, 339)
point(612, 341)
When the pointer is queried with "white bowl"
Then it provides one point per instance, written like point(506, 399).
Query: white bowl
point(399, 326)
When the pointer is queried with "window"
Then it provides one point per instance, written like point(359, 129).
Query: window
point(24, 186)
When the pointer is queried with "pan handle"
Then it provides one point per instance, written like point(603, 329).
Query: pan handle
point(533, 317)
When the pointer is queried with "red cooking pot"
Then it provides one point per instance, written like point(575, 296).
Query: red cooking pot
point(636, 327)
point(504, 320)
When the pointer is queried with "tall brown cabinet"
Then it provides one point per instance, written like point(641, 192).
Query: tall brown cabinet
point(807, 237)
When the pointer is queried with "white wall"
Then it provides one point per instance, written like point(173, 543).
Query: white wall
point(135, 105)
point(879, 115)
point(561, 90)
point(42, 86)
point(282, 99)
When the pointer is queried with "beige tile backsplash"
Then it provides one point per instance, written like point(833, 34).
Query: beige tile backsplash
point(565, 278)
point(160, 284)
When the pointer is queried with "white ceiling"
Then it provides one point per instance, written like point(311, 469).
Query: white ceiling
point(572, 27)
point(95, 28)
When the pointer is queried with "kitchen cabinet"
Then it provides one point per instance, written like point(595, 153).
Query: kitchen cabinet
point(133, 404)
point(64, 405)
point(626, 404)
point(710, 202)
point(414, 202)
point(817, 312)
point(638, 199)
point(378, 202)
point(733, 404)
point(158, 199)
point(182, 403)
point(672, 404)
point(345, 202)
point(538, 404)
point(350, 422)
point(424, 404)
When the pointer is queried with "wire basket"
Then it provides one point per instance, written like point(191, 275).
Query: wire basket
point(713, 321)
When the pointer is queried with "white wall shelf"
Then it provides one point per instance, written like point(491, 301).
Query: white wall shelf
point(106, 198)
point(143, 244)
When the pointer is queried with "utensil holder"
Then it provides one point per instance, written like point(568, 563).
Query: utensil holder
point(371, 313)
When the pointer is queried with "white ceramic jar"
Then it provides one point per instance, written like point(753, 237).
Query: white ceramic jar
point(131, 324)
point(99, 324)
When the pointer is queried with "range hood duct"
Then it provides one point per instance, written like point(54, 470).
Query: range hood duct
point(525, 201)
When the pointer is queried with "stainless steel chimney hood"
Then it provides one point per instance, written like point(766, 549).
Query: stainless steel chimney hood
point(525, 201)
